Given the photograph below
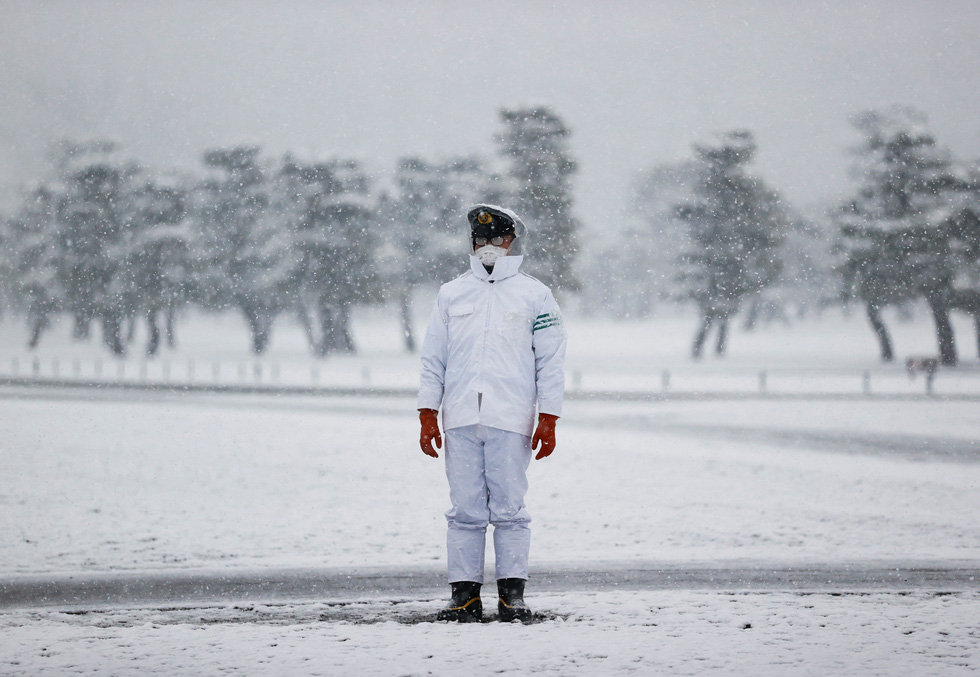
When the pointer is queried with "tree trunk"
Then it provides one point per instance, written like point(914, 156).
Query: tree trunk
point(405, 303)
point(80, 330)
point(881, 331)
point(112, 333)
point(335, 336)
point(171, 327)
point(328, 338)
point(37, 323)
point(976, 326)
point(307, 324)
point(969, 302)
point(752, 316)
point(722, 335)
point(259, 325)
point(347, 339)
point(944, 330)
point(153, 343)
point(702, 335)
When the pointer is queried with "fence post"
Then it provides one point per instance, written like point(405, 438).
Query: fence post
point(36, 367)
point(866, 382)
point(665, 381)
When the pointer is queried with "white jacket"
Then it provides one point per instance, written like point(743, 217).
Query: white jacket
point(495, 348)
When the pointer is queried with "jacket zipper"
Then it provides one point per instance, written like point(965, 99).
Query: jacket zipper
point(483, 353)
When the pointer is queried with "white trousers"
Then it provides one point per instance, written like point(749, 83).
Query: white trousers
point(487, 472)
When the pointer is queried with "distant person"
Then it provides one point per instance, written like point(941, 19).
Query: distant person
point(494, 351)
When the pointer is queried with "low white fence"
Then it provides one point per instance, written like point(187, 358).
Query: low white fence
point(356, 374)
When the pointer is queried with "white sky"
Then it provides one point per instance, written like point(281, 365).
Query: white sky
point(637, 82)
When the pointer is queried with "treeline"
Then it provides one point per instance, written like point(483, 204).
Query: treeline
point(109, 242)
point(712, 234)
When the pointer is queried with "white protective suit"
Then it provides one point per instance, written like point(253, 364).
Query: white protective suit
point(493, 352)
point(495, 348)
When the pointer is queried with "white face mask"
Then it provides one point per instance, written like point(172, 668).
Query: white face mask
point(489, 254)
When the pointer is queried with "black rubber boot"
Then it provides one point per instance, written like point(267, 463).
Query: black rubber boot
point(511, 606)
point(465, 606)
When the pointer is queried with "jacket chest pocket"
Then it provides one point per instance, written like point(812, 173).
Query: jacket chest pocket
point(460, 317)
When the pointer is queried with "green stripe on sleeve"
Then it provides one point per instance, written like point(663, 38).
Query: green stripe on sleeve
point(544, 325)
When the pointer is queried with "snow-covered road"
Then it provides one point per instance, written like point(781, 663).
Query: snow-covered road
point(154, 591)
point(171, 534)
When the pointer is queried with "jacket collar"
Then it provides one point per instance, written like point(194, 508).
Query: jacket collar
point(504, 267)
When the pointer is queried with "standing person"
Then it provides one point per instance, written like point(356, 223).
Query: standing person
point(493, 352)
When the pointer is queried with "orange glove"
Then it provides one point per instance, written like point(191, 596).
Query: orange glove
point(545, 434)
point(429, 418)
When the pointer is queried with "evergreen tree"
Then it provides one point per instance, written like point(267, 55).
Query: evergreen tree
point(157, 262)
point(33, 261)
point(425, 228)
point(735, 224)
point(535, 144)
point(899, 231)
point(92, 229)
point(961, 221)
point(335, 243)
point(244, 257)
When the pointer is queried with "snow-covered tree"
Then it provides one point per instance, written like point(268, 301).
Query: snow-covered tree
point(900, 231)
point(335, 242)
point(960, 219)
point(243, 256)
point(535, 144)
point(735, 225)
point(92, 200)
point(157, 257)
point(424, 225)
point(33, 260)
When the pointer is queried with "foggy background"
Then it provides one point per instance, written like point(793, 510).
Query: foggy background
point(636, 82)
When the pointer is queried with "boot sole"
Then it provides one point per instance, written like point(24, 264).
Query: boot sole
point(471, 612)
point(510, 614)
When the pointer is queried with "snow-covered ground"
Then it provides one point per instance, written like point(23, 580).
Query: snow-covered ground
point(96, 482)
point(156, 482)
point(612, 633)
